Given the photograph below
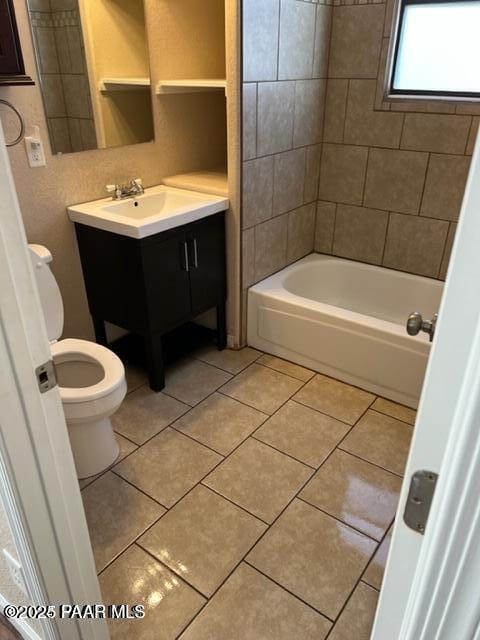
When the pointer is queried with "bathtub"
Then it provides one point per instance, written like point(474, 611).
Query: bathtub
point(347, 320)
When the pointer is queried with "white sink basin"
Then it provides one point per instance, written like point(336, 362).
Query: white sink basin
point(158, 209)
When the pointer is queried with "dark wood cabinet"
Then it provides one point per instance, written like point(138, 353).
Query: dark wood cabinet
point(12, 68)
point(153, 285)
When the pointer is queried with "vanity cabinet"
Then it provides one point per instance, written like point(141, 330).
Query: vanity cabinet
point(152, 285)
point(12, 69)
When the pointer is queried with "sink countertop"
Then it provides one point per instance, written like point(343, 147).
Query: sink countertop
point(160, 208)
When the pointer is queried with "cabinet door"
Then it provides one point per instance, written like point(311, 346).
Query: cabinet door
point(167, 285)
point(206, 245)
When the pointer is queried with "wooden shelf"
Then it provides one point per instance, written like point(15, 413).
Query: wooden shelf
point(190, 86)
point(212, 182)
point(124, 84)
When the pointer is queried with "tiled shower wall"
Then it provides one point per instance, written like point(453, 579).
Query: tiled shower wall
point(392, 174)
point(285, 68)
point(63, 72)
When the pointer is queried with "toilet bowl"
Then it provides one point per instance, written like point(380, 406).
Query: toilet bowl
point(91, 379)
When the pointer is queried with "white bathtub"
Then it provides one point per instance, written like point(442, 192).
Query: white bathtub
point(347, 320)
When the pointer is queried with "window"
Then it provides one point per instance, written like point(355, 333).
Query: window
point(436, 49)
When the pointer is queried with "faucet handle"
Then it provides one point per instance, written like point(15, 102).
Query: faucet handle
point(111, 188)
point(138, 182)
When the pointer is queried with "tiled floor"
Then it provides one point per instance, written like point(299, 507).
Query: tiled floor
point(253, 499)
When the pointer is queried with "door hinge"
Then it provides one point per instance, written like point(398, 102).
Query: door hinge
point(46, 376)
point(419, 501)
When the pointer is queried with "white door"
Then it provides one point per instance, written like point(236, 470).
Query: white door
point(38, 484)
point(431, 589)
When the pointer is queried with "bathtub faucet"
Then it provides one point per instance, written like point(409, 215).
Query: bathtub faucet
point(416, 323)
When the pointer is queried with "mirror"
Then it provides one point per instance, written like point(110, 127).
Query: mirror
point(92, 58)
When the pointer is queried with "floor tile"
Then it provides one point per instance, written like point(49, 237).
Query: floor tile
point(144, 413)
point(375, 570)
point(356, 620)
point(380, 439)
point(252, 607)
point(356, 492)
point(314, 556)
point(395, 410)
point(191, 381)
point(262, 388)
point(220, 422)
point(126, 448)
point(136, 578)
point(168, 466)
point(135, 376)
point(230, 360)
point(284, 366)
point(335, 398)
point(302, 432)
point(202, 538)
point(259, 479)
point(116, 515)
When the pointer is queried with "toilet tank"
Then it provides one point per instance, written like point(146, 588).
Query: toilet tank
point(50, 296)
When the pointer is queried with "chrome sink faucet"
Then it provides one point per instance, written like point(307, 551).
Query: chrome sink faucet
point(131, 190)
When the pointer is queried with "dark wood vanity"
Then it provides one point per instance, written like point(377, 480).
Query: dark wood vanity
point(152, 285)
point(12, 68)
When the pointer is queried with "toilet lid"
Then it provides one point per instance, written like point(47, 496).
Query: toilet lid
point(73, 349)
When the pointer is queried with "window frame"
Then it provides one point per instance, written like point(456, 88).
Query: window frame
point(415, 94)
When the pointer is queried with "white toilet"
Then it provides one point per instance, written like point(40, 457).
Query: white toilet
point(91, 379)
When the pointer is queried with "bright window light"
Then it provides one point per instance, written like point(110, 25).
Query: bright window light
point(438, 49)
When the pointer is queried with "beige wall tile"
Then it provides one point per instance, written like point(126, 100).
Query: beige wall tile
point(395, 180)
point(53, 97)
point(260, 39)
point(275, 117)
point(289, 180)
point(249, 121)
point(448, 250)
point(257, 191)
point(77, 96)
point(87, 133)
point(323, 29)
point(365, 126)
point(301, 231)
point(335, 109)
point(312, 173)
point(297, 40)
point(380, 102)
point(415, 244)
point(472, 138)
point(324, 226)
point(445, 186)
point(47, 51)
point(436, 133)
point(248, 257)
point(356, 40)
point(270, 246)
point(360, 233)
point(342, 173)
point(309, 104)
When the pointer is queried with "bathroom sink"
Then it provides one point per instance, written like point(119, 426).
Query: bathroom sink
point(158, 209)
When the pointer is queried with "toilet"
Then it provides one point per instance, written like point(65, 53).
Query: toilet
point(90, 377)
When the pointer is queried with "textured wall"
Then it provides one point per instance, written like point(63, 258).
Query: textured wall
point(186, 129)
point(392, 174)
point(285, 57)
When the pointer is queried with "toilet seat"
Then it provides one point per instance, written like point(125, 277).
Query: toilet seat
point(71, 349)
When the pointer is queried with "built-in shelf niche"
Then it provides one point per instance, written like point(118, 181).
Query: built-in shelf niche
point(124, 84)
point(198, 85)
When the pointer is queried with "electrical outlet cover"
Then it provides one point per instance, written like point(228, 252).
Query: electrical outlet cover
point(16, 571)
